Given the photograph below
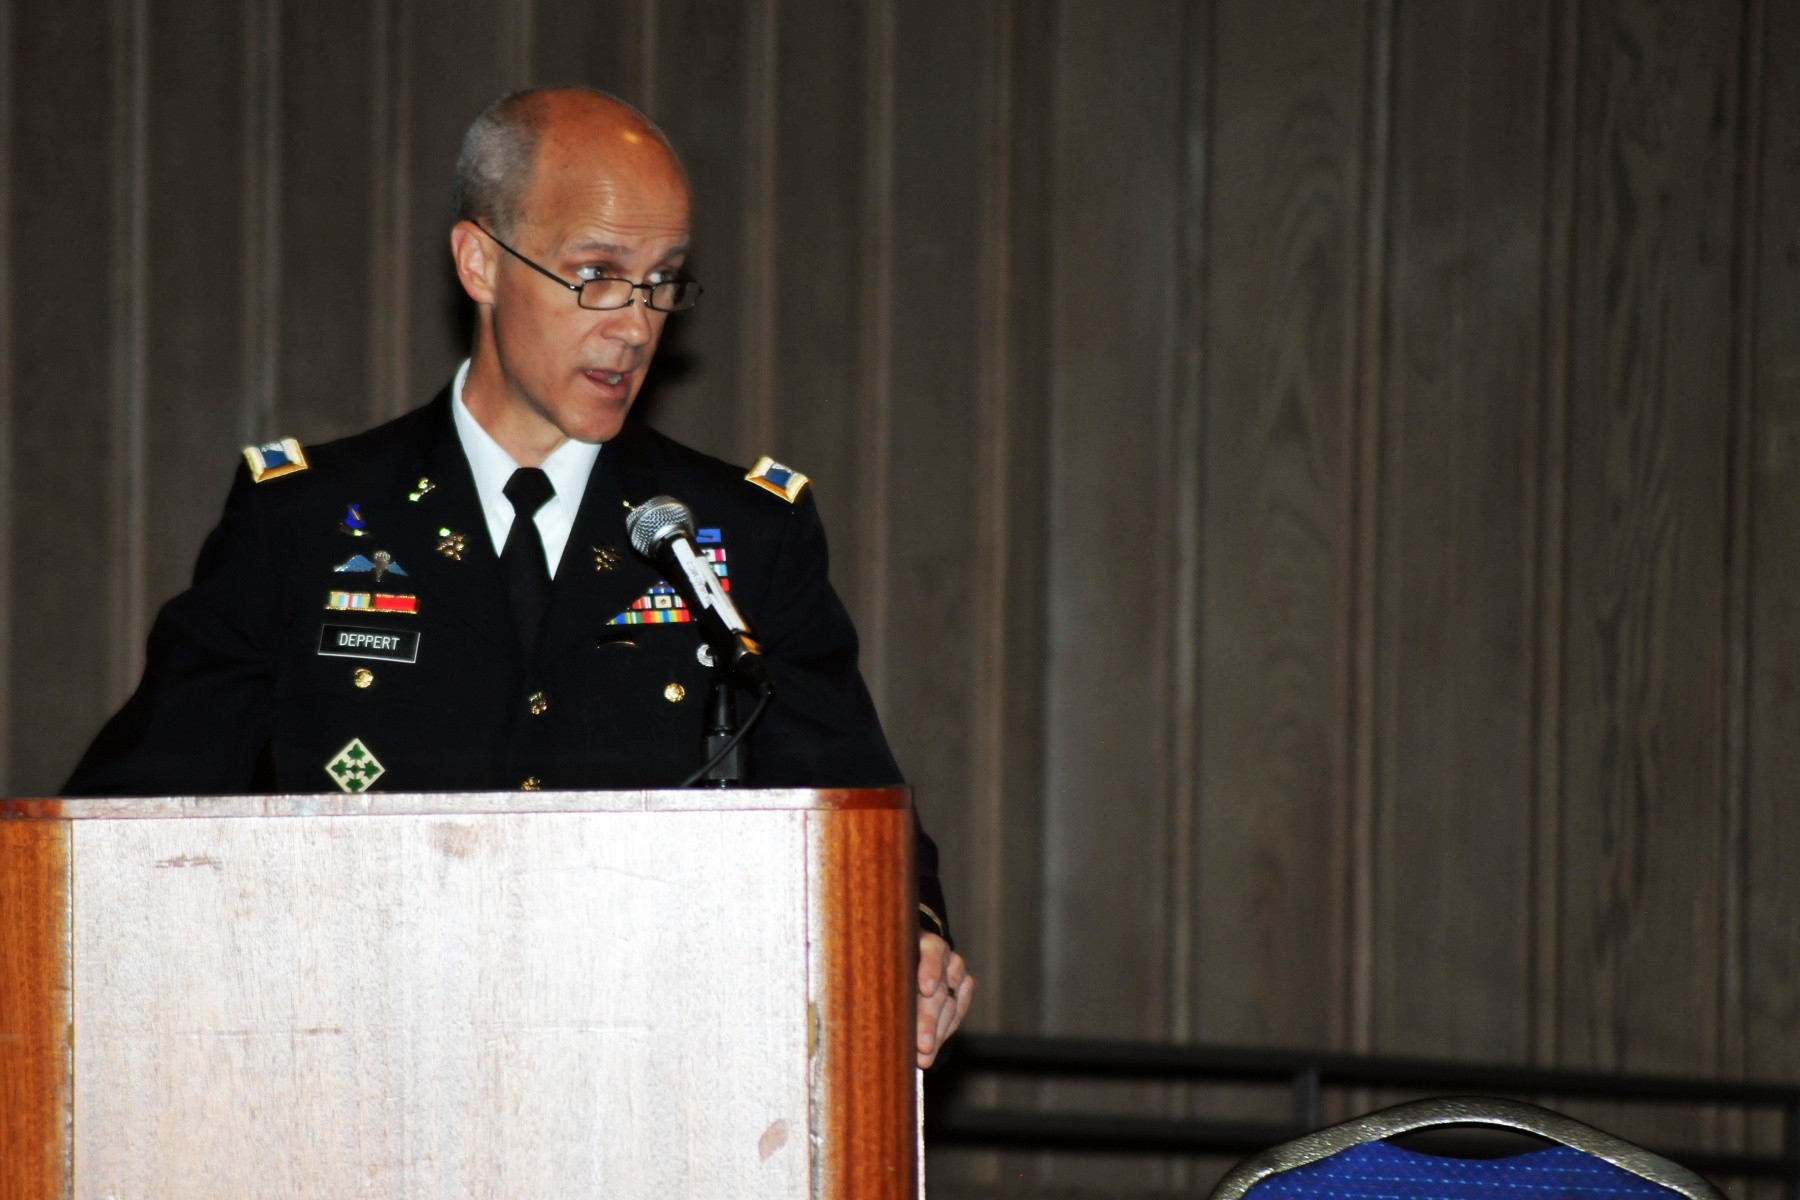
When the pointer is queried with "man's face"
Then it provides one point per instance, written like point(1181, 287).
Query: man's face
point(612, 204)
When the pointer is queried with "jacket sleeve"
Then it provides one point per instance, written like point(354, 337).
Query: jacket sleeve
point(201, 715)
point(821, 730)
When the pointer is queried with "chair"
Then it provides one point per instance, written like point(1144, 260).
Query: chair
point(1357, 1161)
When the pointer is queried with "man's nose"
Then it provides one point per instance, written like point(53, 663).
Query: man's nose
point(631, 324)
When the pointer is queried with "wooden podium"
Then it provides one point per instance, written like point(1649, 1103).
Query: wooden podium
point(522, 996)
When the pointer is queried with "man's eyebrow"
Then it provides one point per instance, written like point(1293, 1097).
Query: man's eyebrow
point(615, 250)
point(596, 246)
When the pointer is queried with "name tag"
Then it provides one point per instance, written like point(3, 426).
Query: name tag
point(357, 641)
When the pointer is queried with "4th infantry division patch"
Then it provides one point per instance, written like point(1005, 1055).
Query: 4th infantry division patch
point(353, 768)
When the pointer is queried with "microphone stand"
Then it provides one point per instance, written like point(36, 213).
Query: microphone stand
point(725, 737)
point(721, 729)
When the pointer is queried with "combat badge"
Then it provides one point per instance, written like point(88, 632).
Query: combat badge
point(783, 481)
point(272, 460)
point(353, 768)
point(353, 523)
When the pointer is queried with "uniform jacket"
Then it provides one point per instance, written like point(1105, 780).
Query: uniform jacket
point(252, 683)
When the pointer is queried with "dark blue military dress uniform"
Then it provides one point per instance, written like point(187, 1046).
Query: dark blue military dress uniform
point(348, 627)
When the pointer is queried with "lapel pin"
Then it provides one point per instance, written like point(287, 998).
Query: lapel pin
point(353, 523)
point(425, 488)
point(451, 545)
point(607, 558)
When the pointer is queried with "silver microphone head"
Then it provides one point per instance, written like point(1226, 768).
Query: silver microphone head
point(655, 520)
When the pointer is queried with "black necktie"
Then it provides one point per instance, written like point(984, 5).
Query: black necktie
point(527, 572)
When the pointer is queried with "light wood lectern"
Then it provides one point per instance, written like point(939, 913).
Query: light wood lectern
point(522, 996)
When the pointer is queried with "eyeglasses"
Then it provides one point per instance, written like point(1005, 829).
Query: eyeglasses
point(606, 291)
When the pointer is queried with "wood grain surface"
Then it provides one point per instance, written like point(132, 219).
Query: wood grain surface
point(1288, 121)
point(1772, 844)
point(1647, 864)
point(1106, 687)
point(1643, 887)
point(863, 934)
point(1456, 565)
point(34, 1010)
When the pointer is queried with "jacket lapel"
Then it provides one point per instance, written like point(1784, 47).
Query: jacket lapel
point(468, 590)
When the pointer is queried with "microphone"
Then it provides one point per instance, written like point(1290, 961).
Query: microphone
point(662, 530)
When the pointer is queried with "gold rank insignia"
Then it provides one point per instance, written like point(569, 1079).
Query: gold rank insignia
point(272, 460)
point(783, 481)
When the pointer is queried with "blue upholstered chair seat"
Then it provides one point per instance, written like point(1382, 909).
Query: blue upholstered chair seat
point(1355, 1160)
point(1380, 1171)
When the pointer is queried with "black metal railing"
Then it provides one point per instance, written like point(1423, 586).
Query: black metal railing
point(952, 1120)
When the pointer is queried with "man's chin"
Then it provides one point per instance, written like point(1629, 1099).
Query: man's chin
point(596, 428)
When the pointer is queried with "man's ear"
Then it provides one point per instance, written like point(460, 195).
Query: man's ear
point(475, 261)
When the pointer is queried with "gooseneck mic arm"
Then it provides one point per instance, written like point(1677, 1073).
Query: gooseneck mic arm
point(662, 530)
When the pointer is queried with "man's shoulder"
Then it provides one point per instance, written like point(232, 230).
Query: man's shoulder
point(388, 444)
point(709, 482)
point(303, 471)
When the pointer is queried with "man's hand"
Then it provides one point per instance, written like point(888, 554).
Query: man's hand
point(945, 987)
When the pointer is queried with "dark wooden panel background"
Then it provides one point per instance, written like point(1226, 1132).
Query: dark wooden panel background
point(1316, 478)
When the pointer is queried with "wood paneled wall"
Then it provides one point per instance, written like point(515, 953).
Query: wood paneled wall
point(1317, 478)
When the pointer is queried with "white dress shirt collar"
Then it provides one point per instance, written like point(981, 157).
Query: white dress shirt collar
point(568, 466)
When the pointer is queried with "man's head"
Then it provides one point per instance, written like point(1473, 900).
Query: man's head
point(584, 185)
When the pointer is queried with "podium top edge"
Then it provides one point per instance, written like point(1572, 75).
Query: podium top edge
point(397, 804)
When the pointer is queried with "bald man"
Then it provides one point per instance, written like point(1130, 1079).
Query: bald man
point(449, 602)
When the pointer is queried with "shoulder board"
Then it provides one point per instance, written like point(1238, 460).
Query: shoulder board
point(783, 481)
point(272, 460)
